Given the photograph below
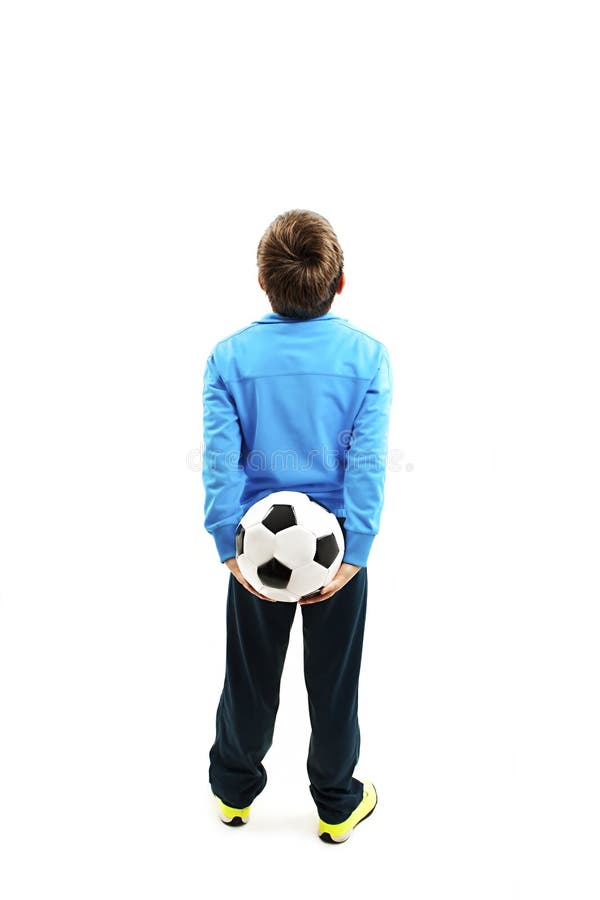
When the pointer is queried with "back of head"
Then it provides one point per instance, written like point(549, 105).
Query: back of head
point(300, 263)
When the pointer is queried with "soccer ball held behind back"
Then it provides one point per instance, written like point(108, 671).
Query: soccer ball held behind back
point(288, 546)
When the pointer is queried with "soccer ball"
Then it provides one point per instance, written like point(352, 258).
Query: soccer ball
point(288, 546)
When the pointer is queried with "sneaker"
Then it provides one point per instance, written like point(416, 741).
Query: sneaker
point(337, 834)
point(230, 815)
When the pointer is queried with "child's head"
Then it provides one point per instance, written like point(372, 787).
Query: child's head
point(300, 264)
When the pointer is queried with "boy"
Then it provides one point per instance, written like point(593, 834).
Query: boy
point(297, 400)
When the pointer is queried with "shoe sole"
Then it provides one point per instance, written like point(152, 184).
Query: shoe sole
point(237, 820)
point(326, 837)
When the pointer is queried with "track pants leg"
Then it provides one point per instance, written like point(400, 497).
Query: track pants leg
point(333, 633)
point(258, 634)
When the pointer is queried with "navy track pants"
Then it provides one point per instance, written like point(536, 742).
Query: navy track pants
point(257, 640)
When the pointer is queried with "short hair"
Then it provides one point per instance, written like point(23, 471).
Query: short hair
point(300, 263)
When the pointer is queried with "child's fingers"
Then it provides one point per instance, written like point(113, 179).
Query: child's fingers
point(325, 594)
point(332, 588)
point(334, 585)
point(328, 591)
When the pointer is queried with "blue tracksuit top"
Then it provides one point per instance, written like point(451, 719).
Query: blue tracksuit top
point(300, 405)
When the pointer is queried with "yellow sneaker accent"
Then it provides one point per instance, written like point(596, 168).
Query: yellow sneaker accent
point(341, 831)
point(229, 814)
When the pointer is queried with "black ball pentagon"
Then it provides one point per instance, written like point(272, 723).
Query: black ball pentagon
point(327, 550)
point(239, 540)
point(280, 516)
point(274, 574)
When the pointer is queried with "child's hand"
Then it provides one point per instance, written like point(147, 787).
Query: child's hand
point(232, 565)
point(345, 572)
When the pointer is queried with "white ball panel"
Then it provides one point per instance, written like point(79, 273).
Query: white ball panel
point(259, 544)
point(307, 578)
point(317, 519)
point(295, 546)
point(279, 594)
point(248, 570)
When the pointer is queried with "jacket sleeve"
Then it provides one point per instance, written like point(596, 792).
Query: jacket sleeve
point(222, 473)
point(365, 465)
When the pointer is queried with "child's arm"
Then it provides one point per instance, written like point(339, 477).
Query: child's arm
point(222, 473)
point(366, 461)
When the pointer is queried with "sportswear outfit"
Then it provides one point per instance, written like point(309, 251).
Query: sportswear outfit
point(300, 405)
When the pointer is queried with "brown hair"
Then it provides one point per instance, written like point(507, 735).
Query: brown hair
point(300, 262)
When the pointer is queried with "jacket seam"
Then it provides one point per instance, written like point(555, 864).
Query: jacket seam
point(364, 333)
point(368, 533)
point(302, 372)
point(224, 525)
point(234, 334)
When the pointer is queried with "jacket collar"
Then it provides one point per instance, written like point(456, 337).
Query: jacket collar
point(275, 317)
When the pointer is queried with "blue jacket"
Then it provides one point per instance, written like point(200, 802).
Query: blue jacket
point(301, 405)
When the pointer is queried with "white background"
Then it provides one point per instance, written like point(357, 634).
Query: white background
point(146, 147)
